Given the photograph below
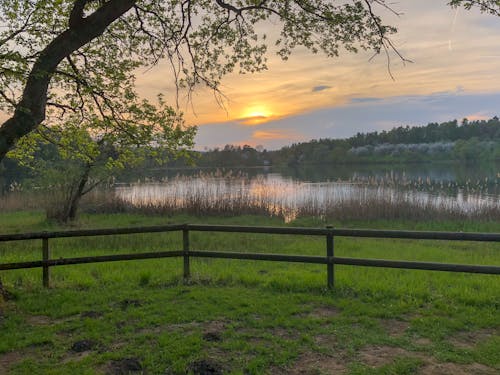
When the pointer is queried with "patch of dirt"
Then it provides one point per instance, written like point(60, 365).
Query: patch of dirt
point(376, 356)
point(468, 340)
point(324, 312)
point(315, 363)
point(213, 330)
point(394, 327)
point(434, 368)
point(422, 341)
point(212, 336)
point(9, 359)
point(39, 320)
point(206, 367)
point(284, 333)
point(124, 366)
point(326, 340)
point(74, 357)
point(181, 326)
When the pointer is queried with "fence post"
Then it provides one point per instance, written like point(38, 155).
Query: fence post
point(185, 249)
point(45, 267)
point(330, 253)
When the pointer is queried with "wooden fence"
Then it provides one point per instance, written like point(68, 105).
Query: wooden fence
point(330, 260)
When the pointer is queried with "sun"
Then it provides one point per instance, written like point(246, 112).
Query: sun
point(256, 114)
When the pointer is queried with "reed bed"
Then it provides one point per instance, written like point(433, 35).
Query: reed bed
point(230, 194)
point(272, 195)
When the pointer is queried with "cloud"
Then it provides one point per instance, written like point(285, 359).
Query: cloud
point(252, 120)
point(343, 121)
point(274, 134)
point(320, 88)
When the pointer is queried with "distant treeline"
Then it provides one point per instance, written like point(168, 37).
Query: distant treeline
point(467, 141)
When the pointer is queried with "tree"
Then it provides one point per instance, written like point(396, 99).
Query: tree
point(62, 53)
point(74, 157)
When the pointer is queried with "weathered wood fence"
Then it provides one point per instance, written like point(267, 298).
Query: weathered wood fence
point(330, 260)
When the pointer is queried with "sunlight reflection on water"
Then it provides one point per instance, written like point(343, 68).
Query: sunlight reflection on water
point(289, 197)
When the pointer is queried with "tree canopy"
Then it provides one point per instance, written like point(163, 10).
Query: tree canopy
point(59, 57)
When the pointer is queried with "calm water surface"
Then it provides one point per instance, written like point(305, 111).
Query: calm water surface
point(467, 188)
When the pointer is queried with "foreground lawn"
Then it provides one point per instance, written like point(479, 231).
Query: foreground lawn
point(248, 317)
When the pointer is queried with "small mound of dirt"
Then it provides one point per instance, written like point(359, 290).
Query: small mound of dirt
point(212, 336)
point(83, 346)
point(213, 330)
point(206, 367)
point(125, 366)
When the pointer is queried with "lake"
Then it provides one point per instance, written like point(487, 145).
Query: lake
point(320, 190)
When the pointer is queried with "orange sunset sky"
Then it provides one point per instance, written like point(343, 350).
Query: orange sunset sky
point(455, 73)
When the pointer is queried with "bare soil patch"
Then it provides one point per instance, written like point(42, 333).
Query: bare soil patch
point(38, 320)
point(468, 340)
point(315, 363)
point(447, 368)
point(124, 366)
point(326, 340)
point(9, 359)
point(75, 357)
point(376, 356)
point(284, 333)
point(394, 327)
point(423, 341)
point(324, 312)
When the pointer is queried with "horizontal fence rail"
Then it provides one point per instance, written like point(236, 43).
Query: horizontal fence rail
point(186, 253)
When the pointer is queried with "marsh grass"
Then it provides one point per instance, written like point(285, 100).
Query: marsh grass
point(356, 199)
point(392, 197)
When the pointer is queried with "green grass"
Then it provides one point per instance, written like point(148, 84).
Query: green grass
point(267, 317)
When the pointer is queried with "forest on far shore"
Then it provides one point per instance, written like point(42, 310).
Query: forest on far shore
point(467, 141)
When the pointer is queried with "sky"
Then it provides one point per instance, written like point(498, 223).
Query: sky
point(455, 73)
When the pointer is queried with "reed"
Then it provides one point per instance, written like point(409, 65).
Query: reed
point(234, 194)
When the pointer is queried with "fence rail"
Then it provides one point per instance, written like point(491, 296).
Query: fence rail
point(330, 260)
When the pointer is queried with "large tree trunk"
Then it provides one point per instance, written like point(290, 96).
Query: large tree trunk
point(30, 111)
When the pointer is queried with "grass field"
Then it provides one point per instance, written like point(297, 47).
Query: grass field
point(248, 317)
